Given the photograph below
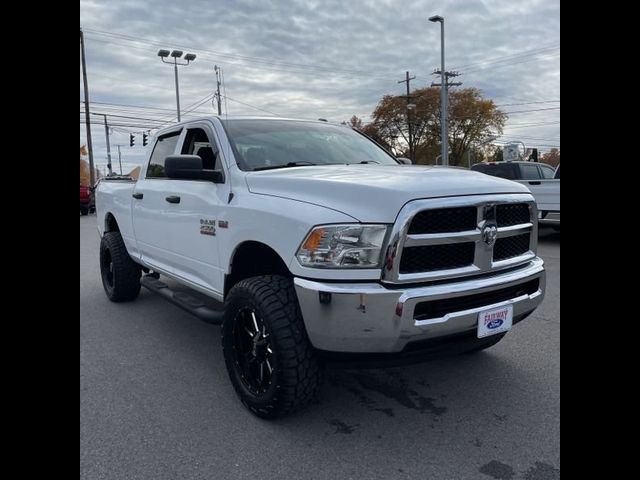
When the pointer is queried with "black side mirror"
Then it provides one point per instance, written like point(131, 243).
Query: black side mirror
point(404, 161)
point(189, 167)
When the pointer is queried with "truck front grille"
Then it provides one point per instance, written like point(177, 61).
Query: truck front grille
point(512, 214)
point(444, 220)
point(436, 257)
point(510, 247)
point(445, 238)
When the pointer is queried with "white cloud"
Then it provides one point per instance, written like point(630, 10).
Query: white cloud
point(329, 59)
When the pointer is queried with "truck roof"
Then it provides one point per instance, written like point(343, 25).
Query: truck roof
point(244, 117)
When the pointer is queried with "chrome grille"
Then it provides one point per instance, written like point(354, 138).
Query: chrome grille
point(442, 220)
point(443, 237)
point(510, 247)
point(436, 257)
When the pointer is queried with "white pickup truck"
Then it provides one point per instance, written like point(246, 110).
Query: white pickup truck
point(541, 179)
point(309, 243)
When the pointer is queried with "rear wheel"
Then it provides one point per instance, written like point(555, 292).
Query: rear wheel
point(84, 210)
point(120, 275)
point(271, 363)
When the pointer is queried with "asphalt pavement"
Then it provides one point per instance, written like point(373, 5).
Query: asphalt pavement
point(156, 402)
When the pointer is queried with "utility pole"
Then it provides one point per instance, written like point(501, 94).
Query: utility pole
point(86, 111)
point(409, 107)
point(444, 105)
point(218, 69)
point(119, 158)
point(106, 132)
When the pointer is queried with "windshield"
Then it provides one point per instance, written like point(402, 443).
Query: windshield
point(263, 144)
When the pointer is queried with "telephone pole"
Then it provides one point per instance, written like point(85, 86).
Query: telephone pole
point(119, 158)
point(86, 111)
point(106, 132)
point(218, 70)
point(445, 106)
point(410, 105)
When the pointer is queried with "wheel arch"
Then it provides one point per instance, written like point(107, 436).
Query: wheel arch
point(252, 258)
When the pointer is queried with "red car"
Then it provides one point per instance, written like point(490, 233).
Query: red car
point(87, 200)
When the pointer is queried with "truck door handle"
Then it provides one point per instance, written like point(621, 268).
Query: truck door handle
point(173, 199)
point(138, 196)
point(534, 183)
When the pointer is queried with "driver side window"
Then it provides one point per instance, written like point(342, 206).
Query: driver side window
point(196, 142)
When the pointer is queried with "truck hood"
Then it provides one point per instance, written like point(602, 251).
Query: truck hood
point(374, 193)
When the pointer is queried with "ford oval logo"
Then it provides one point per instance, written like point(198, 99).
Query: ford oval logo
point(494, 323)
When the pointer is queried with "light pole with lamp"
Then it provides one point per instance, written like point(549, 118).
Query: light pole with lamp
point(443, 94)
point(176, 54)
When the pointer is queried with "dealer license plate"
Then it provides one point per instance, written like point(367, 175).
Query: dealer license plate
point(495, 320)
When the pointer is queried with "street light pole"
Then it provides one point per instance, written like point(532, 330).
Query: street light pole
point(176, 54)
point(175, 70)
point(443, 94)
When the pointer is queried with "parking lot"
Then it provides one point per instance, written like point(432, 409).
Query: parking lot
point(156, 402)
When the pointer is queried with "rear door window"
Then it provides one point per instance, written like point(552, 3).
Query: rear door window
point(547, 172)
point(529, 172)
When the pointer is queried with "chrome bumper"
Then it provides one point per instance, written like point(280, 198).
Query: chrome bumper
point(368, 317)
point(551, 218)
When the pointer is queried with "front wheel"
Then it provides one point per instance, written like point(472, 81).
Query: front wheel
point(120, 275)
point(271, 363)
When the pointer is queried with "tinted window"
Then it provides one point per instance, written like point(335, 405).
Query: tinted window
point(557, 175)
point(165, 146)
point(272, 143)
point(529, 172)
point(502, 170)
point(547, 172)
point(196, 142)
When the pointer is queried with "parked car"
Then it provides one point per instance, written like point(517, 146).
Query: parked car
point(319, 246)
point(542, 180)
point(87, 200)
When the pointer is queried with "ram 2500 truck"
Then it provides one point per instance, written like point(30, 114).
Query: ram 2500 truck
point(318, 244)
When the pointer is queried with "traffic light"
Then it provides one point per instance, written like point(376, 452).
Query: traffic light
point(132, 140)
point(144, 139)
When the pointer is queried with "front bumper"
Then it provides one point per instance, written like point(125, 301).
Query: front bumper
point(370, 318)
point(549, 218)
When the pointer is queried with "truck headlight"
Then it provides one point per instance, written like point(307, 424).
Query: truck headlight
point(343, 246)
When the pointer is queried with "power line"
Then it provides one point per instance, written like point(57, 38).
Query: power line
point(503, 58)
point(252, 106)
point(265, 63)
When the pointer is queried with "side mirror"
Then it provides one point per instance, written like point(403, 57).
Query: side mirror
point(404, 161)
point(189, 167)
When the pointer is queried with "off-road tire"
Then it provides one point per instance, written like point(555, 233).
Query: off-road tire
point(120, 275)
point(296, 374)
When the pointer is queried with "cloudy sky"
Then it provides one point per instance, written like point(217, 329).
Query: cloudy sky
point(314, 58)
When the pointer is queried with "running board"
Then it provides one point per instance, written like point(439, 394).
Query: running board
point(183, 300)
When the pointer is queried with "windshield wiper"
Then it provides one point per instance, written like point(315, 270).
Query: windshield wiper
point(369, 161)
point(290, 164)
